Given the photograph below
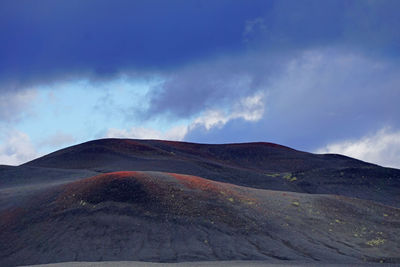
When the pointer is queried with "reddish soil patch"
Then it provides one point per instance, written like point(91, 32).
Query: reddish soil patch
point(257, 144)
point(126, 186)
point(162, 194)
point(221, 190)
point(10, 217)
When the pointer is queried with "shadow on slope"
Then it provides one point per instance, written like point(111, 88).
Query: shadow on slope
point(169, 217)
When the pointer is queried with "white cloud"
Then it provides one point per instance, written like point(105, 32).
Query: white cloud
point(250, 108)
point(15, 104)
point(17, 148)
point(382, 148)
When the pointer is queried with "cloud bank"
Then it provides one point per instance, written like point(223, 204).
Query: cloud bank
point(17, 149)
point(382, 148)
point(247, 109)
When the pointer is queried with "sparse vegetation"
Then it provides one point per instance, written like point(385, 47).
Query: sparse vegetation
point(375, 242)
point(289, 177)
point(273, 174)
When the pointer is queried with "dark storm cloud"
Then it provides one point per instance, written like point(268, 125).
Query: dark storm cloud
point(211, 53)
point(321, 96)
point(368, 28)
point(45, 40)
point(213, 84)
point(48, 40)
point(371, 26)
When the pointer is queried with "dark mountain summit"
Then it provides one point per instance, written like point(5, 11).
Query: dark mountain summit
point(127, 153)
point(162, 201)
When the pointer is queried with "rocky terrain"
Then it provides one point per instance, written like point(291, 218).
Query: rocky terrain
point(162, 201)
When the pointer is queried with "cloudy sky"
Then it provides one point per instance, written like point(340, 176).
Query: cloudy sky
point(320, 76)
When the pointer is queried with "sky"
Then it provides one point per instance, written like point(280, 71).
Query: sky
point(318, 76)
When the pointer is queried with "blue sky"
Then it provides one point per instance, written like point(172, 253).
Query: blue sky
point(320, 76)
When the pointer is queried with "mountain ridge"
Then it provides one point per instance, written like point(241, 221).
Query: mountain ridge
point(256, 164)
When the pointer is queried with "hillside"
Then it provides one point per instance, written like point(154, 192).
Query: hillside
point(168, 217)
point(163, 201)
point(257, 165)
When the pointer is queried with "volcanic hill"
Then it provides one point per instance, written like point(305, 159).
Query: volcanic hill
point(163, 201)
point(257, 165)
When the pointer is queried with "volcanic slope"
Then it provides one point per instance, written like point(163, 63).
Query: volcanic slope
point(169, 217)
point(257, 165)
